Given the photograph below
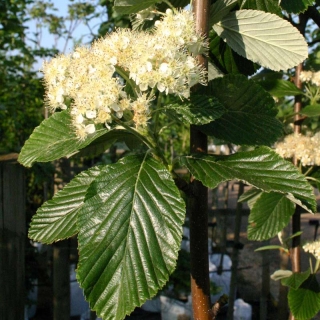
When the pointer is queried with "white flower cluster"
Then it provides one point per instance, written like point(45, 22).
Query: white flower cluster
point(313, 248)
point(304, 148)
point(309, 76)
point(163, 59)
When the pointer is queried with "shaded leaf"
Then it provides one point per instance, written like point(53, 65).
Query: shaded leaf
point(296, 6)
point(304, 302)
point(296, 279)
point(262, 168)
point(56, 219)
point(264, 38)
point(220, 9)
point(53, 139)
point(250, 196)
point(271, 6)
point(270, 213)
point(280, 88)
point(102, 143)
point(251, 111)
point(200, 109)
point(130, 230)
point(311, 111)
point(227, 60)
point(132, 6)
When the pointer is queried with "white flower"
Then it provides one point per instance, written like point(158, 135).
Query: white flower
point(90, 128)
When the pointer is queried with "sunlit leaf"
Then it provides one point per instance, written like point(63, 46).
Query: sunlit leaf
point(264, 38)
point(262, 168)
point(56, 219)
point(53, 139)
point(130, 230)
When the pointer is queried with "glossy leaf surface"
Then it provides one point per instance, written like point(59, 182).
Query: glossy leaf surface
point(269, 215)
point(53, 139)
point(130, 230)
point(56, 219)
point(250, 117)
point(262, 168)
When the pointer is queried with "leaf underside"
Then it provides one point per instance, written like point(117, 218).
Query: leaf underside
point(263, 38)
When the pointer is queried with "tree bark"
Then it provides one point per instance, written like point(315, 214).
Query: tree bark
point(198, 206)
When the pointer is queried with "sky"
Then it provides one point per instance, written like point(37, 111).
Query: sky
point(49, 41)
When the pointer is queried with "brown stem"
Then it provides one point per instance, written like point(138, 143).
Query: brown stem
point(198, 208)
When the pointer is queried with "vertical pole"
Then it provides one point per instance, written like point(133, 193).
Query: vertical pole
point(200, 287)
point(12, 238)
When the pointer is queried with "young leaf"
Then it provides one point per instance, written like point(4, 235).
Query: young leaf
point(200, 109)
point(311, 111)
point(272, 247)
point(262, 168)
point(269, 215)
point(132, 6)
point(263, 38)
point(304, 302)
point(250, 117)
point(296, 279)
point(130, 230)
point(296, 6)
point(280, 274)
point(56, 219)
point(53, 139)
point(280, 88)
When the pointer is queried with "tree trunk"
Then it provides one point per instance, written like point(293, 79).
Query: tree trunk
point(198, 209)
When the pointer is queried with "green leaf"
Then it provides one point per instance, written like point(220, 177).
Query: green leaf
point(130, 231)
point(262, 168)
point(272, 247)
point(280, 88)
point(280, 274)
point(250, 196)
point(304, 302)
point(250, 117)
point(269, 215)
point(213, 71)
point(263, 38)
point(200, 109)
point(220, 9)
point(271, 6)
point(311, 110)
point(132, 6)
point(56, 219)
point(102, 143)
point(227, 60)
point(53, 139)
point(296, 6)
point(296, 279)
